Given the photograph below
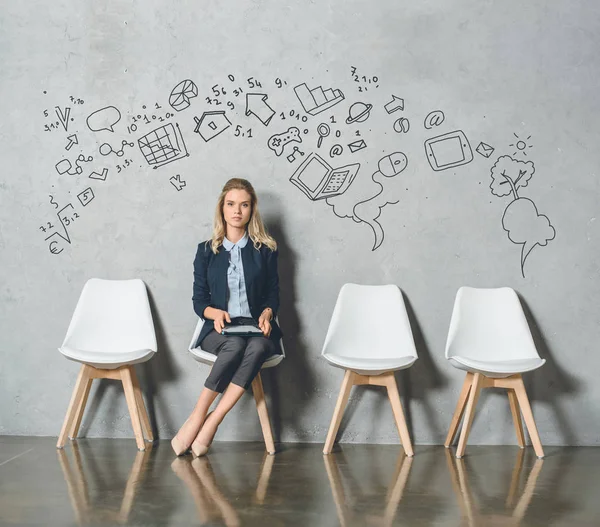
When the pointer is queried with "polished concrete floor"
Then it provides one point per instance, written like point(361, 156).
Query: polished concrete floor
point(108, 482)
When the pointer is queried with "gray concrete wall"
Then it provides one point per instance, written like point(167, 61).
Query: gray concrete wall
point(519, 77)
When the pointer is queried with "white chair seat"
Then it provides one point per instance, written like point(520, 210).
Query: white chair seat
point(209, 358)
point(496, 368)
point(370, 366)
point(107, 361)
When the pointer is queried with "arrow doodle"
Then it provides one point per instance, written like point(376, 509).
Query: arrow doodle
point(396, 103)
point(72, 141)
point(256, 104)
point(63, 117)
point(177, 182)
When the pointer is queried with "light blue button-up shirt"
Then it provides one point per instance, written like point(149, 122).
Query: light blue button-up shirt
point(237, 305)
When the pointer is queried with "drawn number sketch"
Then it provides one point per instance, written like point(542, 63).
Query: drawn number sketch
point(163, 145)
point(521, 220)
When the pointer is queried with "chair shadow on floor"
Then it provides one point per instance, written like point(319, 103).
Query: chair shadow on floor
point(87, 510)
point(551, 382)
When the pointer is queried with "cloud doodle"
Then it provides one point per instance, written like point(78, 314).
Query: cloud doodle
point(367, 196)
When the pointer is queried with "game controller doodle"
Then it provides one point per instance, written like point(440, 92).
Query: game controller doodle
point(277, 142)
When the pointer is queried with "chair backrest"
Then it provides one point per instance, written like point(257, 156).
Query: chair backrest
point(370, 321)
point(489, 324)
point(112, 315)
point(199, 325)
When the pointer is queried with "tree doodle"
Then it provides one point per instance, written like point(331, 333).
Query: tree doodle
point(364, 202)
point(521, 220)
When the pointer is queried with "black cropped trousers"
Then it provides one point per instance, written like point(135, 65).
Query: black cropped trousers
point(239, 359)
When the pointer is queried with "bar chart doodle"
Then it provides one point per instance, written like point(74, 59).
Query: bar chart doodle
point(317, 100)
point(163, 145)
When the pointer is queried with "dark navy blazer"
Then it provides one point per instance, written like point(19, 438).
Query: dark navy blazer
point(260, 274)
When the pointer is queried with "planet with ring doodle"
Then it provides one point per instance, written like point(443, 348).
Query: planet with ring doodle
point(359, 112)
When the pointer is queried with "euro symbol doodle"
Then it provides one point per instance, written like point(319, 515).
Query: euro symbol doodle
point(53, 248)
point(53, 202)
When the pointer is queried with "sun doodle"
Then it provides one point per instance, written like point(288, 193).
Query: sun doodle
point(521, 145)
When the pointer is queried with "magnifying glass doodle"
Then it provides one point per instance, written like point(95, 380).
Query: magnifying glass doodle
point(323, 130)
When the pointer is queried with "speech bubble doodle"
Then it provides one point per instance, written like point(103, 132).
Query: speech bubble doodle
point(104, 119)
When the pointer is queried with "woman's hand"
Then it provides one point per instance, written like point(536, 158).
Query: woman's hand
point(264, 321)
point(220, 317)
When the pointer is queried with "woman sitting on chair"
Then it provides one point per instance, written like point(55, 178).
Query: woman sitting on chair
point(235, 278)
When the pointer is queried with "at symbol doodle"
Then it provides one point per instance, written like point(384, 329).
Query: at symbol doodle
point(435, 118)
point(336, 150)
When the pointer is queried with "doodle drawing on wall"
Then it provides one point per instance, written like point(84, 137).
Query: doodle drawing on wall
point(64, 166)
point(448, 150)
point(292, 157)
point(63, 117)
point(383, 188)
point(106, 149)
point(521, 145)
point(359, 112)
point(85, 196)
point(62, 218)
point(485, 150)
point(256, 104)
point(355, 146)
point(180, 96)
point(211, 124)
point(101, 177)
point(317, 100)
point(401, 125)
point(277, 142)
point(435, 118)
point(72, 141)
point(318, 180)
point(103, 119)
point(521, 219)
point(397, 103)
point(323, 130)
point(177, 182)
point(163, 145)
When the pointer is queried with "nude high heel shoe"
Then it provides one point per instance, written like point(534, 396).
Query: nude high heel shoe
point(199, 449)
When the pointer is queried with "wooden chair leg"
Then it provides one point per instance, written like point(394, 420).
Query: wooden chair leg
point(339, 411)
point(396, 490)
point(394, 397)
point(126, 378)
point(80, 410)
point(263, 413)
point(146, 426)
point(76, 399)
point(460, 408)
point(135, 476)
point(337, 488)
point(516, 415)
point(528, 417)
point(527, 494)
point(469, 413)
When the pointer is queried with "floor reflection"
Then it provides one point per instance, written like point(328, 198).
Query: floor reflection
point(97, 506)
point(518, 496)
point(351, 501)
point(211, 502)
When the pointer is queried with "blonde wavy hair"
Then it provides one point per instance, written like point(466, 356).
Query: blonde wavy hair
point(255, 228)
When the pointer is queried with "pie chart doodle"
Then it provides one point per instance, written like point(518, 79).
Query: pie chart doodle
point(181, 95)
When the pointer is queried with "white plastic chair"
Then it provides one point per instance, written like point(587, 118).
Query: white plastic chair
point(208, 358)
point(489, 338)
point(369, 337)
point(111, 330)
